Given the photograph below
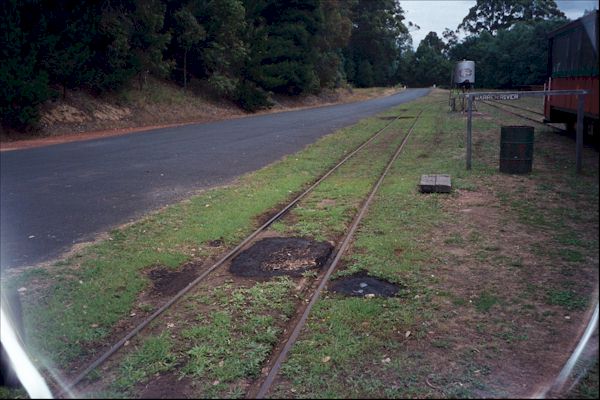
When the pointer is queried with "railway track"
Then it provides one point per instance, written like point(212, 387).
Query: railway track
point(281, 356)
point(537, 121)
point(588, 139)
point(304, 310)
point(521, 108)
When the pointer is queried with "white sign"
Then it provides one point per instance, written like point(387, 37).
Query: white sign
point(512, 96)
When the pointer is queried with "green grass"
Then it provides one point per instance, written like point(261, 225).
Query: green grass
point(455, 240)
point(587, 387)
point(81, 298)
point(218, 349)
point(357, 334)
point(572, 256)
point(485, 302)
point(566, 298)
point(155, 355)
point(327, 212)
point(6, 393)
point(344, 331)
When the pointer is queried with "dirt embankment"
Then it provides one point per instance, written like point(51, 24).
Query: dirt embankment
point(81, 116)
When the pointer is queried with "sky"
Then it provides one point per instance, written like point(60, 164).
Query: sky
point(436, 15)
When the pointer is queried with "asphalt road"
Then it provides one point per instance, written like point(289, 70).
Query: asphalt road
point(53, 197)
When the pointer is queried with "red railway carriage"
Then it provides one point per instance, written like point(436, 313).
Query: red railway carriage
point(573, 64)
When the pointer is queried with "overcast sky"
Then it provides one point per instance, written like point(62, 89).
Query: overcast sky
point(436, 15)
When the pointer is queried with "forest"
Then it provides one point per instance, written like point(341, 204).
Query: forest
point(245, 50)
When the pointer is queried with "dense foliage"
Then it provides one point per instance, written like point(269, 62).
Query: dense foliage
point(494, 15)
point(245, 49)
point(514, 57)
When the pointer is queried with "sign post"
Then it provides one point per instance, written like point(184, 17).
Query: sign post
point(579, 134)
point(469, 130)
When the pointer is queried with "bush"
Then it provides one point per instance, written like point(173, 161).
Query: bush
point(22, 90)
point(252, 98)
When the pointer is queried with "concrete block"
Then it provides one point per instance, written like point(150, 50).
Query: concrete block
point(437, 183)
point(443, 184)
point(427, 183)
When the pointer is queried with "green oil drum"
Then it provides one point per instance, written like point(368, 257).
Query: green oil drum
point(516, 149)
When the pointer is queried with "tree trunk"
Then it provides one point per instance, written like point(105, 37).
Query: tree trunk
point(185, 70)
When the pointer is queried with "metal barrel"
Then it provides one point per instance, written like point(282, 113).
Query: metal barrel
point(516, 149)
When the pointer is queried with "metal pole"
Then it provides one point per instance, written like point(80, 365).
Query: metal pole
point(469, 135)
point(579, 134)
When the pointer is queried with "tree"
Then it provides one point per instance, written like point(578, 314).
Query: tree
point(513, 57)
point(147, 39)
point(406, 68)
point(333, 35)
point(377, 27)
point(451, 38)
point(431, 66)
point(540, 10)
point(364, 74)
point(433, 41)
point(112, 56)
point(23, 83)
point(224, 49)
point(188, 33)
point(71, 28)
point(493, 15)
point(283, 51)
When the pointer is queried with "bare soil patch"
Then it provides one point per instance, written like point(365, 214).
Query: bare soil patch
point(167, 282)
point(326, 203)
point(497, 274)
point(166, 386)
point(363, 285)
point(281, 256)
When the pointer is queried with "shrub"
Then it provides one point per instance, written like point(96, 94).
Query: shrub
point(252, 98)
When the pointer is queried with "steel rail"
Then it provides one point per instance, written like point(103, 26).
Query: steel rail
point(520, 108)
point(114, 348)
point(537, 121)
point(268, 382)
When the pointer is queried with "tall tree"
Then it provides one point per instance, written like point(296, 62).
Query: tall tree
point(23, 83)
point(224, 49)
point(283, 45)
point(71, 28)
point(493, 15)
point(431, 66)
point(433, 41)
point(148, 41)
point(513, 57)
point(539, 10)
point(188, 33)
point(450, 37)
point(376, 29)
point(111, 59)
point(333, 35)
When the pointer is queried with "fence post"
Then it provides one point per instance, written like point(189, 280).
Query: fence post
point(579, 133)
point(469, 133)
